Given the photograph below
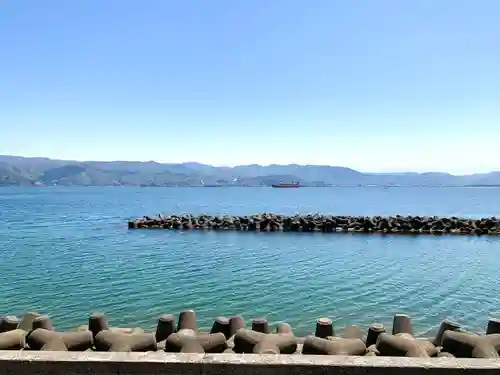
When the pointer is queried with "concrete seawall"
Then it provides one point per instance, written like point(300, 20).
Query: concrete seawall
point(90, 363)
point(269, 222)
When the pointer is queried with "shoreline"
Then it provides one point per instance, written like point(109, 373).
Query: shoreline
point(270, 222)
point(232, 335)
point(41, 186)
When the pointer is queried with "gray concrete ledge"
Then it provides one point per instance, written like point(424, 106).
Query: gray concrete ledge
point(38, 362)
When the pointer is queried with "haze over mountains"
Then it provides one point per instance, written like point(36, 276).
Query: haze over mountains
point(16, 170)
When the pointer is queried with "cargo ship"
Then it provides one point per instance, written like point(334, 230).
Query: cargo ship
point(209, 185)
point(283, 185)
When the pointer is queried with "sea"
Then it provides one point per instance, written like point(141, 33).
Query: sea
point(66, 252)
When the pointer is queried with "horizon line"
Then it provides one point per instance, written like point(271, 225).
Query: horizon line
point(163, 162)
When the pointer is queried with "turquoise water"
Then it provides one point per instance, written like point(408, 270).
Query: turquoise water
point(66, 252)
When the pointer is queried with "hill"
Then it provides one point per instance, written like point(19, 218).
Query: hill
point(16, 170)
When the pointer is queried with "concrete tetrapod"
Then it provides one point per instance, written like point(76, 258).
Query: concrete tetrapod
point(374, 331)
point(13, 340)
point(42, 322)
point(187, 320)
point(260, 325)
point(402, 324)
point(493, 326)
point(221, 325)
point(118, 340)
point(109, 341)
point(165, 327)
point(284, 328)
point(467, 345)
point(352, 332)
point(249, 341)
point(98, 322)
point(404, 345)
point(324, 328)
point(372, 350)
point(333, 346)
point(446, 325)
point(44, 339)
point(8, 323)
point(235, 323)
point(189, 341)
point(26, 322)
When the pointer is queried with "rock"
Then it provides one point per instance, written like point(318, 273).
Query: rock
point(270, 222)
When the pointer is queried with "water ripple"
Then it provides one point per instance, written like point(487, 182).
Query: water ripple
point(65, 252)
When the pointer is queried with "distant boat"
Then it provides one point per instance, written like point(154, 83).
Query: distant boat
point(209, 185)
point(283, 185)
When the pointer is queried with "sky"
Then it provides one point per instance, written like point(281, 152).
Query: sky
point(375, 85)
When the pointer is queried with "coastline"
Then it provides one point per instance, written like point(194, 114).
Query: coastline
point(329, 186)
point(231, 335)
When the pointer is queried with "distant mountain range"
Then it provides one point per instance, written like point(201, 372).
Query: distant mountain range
point(16, 170)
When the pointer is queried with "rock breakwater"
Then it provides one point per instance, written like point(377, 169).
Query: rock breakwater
point(232, 335)
point(269, 222)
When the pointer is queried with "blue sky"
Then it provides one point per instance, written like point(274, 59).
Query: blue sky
point(376, 85)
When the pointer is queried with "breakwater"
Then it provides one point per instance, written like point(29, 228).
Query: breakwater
point(268, 222)
point(231, 335)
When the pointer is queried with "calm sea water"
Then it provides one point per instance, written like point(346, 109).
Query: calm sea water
point(66, 252)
